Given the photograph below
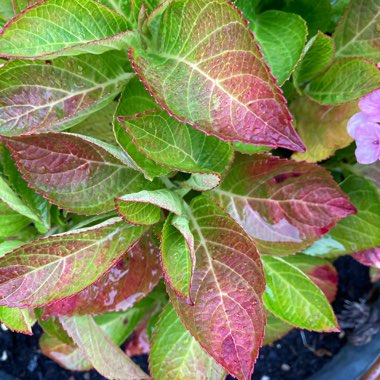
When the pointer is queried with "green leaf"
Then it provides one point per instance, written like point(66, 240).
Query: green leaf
point(320, 271)
point(209, 73)
point(275, 329)
point(317, 56)
point(8, 246)
point(201, 182)
point(317, 13)
point(39, 205)
point(11, 199)
point(358, 32)
point(149, 6)
point(98, 125)
point(19, 320)
point(6, 9)
point(178, 256)
point(337, 9)
point(228, 284)
point(120, 325)
point(11, 221)
point(74, 172)
point(53, 327)
point(177, 354)
point(65, 27)
point(250, 148)
point(52, 268)
point(282, 37)
point(359, 232)
point(345, 80)
point(178, 146)
point(108, 359)
point(135, 99)
point(145, 207)
point(67, 356)
point(293, 297)
point(122, 7)
point(54, 95)
point(323, 128)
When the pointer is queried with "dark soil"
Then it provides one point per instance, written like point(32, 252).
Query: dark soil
point(294, 357)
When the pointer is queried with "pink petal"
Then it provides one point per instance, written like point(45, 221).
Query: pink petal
point(367, 131)
point(370, 105)
point(367, 152)
point(355, 121)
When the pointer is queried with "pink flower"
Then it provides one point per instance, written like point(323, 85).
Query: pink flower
point(364, 127)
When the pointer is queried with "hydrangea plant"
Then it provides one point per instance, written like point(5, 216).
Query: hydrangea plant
point(180, 179)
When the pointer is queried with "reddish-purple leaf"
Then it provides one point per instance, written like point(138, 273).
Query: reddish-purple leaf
point(370, 257)
point(203, 66)
point(42, 96)
point(227, 317)
point(74, 172)
point(119, 289)
point(285, 205)
point(52, 268)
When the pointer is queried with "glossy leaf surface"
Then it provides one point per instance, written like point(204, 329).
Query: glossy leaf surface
point(320, 271)
point(323, 129)
point(42, 96)
point(19, 320)
point(64, 27)
point(358, 32)
point(119, 289)
point(177, 255)
point(283, 204)
point(317, 55)
point(108, 359)
point(282, 37)
point(345, 80)
point(227, 318)
point(56, 267)
point(356, 233)
point(178, 146)
point(208, 72)
point(75, 173)
point(175, 354)
point(145, 207)
point(293, 297)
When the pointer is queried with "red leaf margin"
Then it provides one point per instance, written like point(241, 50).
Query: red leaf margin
point(297, 144)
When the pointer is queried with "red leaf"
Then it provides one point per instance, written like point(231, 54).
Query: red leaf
point(52, 268)
point(227, 318)
point(139, 344)
point(370, 257)
point(284, 205)
point(207, 71)
point(119, 289)
point(74, 172)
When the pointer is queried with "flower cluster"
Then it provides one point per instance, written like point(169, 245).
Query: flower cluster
point(364, 127)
